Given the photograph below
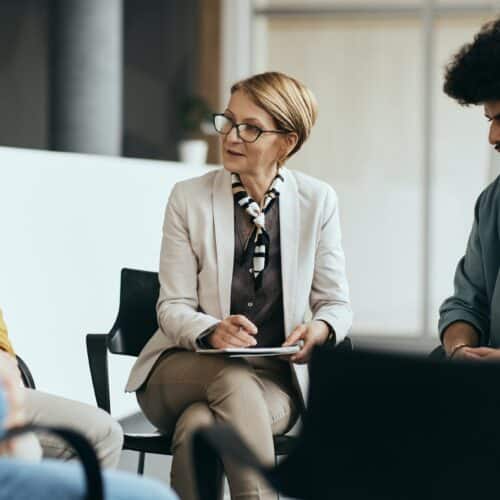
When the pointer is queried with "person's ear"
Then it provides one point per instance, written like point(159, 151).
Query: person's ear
point(291, 140)
point(288, 144)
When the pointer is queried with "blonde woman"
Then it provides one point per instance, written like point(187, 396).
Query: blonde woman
point(246, 250)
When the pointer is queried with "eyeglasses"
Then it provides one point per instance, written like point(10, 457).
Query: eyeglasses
point(246, 132)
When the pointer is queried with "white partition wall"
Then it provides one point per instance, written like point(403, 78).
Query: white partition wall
point(68, 224)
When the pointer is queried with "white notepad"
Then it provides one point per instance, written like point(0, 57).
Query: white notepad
point(236, 352)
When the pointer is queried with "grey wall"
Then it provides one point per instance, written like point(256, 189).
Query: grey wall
point(160, 68)
point(86, 40)
point(23, 73)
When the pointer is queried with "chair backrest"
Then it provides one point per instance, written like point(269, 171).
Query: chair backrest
point(26, 375)
point(388, 426)
point(136, 321)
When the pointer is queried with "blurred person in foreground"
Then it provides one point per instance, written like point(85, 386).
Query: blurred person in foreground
point(49, 479)
point(469, 322)
point(45, 409)
point(246, 250)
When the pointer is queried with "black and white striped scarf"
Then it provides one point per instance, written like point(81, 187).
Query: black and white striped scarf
point(260, 245)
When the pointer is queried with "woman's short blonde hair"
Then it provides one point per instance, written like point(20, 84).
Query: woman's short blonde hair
point(291, 104)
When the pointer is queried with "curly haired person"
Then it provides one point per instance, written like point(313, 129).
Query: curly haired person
point(469, 322)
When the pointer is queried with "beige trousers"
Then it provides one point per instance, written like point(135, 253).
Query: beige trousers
point(99, 427)
point(256, 396)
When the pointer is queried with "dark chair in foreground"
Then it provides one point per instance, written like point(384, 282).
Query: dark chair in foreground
point(82, 448)
point(383, 426)
point(135, 324)
point(438, 353)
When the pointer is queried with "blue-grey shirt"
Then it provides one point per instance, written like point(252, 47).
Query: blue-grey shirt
point(476, 299)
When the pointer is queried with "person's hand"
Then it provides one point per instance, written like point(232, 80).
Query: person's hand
point(464, 352)
point(10, 379)
point(311, 334)
point(233, 331)
point(478, 354)
point(11, 384)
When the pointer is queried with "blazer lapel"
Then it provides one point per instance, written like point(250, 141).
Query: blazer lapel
point(223, 210)
point(289, 236)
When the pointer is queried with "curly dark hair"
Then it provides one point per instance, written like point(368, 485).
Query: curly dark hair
point(473, 74)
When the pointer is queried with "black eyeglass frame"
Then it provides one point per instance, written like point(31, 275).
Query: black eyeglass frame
point(237, 125)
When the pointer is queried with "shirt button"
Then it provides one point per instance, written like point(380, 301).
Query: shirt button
point(250, 304)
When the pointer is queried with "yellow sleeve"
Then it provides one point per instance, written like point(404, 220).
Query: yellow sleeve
point(5, 344)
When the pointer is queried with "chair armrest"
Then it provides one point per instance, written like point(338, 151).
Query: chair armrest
point(344, 345)
point(221, 441)
point(438, 353)
point(97, 353)
point(82, 447)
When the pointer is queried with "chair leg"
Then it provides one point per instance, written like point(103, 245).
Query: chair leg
point(142, 458)
point(276, 461)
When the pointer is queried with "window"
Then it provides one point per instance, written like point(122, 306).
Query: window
point(405, 160)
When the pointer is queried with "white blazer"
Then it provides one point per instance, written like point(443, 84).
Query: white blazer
point(197, 254)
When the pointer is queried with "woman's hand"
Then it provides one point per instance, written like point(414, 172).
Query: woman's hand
point(234, 331)
point(311, 334)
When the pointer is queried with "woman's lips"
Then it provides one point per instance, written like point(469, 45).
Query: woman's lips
point(234, 153)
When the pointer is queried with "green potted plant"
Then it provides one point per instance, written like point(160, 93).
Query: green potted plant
point(195, 117)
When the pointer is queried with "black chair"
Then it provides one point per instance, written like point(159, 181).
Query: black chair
point(26, 376)
point(382, 426)
point(438, 353)
point(135, 324)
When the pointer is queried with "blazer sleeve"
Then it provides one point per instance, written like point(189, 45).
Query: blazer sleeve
point(469, 302)
point(329, 297)
point(179, 315)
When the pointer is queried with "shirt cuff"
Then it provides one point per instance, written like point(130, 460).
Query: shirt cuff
point(331, 332)
point(465, 317)
point(201, 340)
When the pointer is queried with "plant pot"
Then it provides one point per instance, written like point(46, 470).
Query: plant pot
point(193, 151)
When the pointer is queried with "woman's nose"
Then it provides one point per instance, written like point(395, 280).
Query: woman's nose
point(233, 135)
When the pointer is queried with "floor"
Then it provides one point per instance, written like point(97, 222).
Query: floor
point(157, 466)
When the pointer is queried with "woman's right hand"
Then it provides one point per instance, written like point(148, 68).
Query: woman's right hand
point(233, 331)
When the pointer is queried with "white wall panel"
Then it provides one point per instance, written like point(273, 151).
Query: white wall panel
point(68, 224)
